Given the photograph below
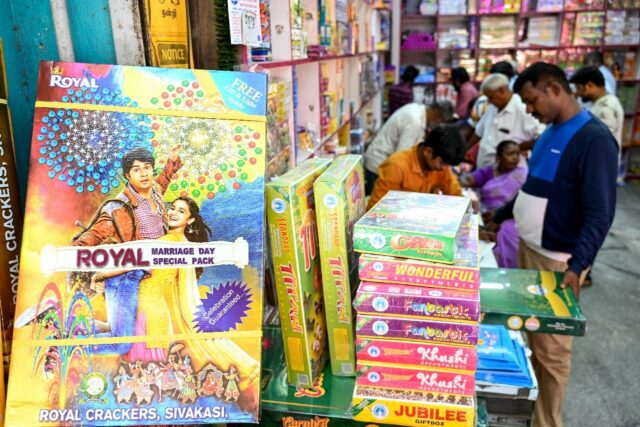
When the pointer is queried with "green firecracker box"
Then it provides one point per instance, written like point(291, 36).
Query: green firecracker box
point(412, 225)
point(339, 194)
point(294, 248)
point(529, 300)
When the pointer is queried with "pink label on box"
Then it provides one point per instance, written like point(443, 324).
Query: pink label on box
point(411, 379)
point(395, 270)
point(417, 354)
point(415, 329)
point(406, 300)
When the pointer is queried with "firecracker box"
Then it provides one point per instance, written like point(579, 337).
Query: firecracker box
point(391, 299)
point(140, 289)
point(296, 263)
point(529, 300)
point(404, 328)
point(412, 408)
point(412, 225)
point(339, 193)
point(416, 354)
point(408, 378)
point(464, 274)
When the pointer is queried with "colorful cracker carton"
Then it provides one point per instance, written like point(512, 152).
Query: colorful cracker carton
point(412, 408)
point(410, 353)
point(140, 290)
point(529, 300)
point(464, 274)
point(294, 249)
point(339, 194)
point(411, 301)
point(412, 225)
point(11, 224)
point(402, 378)
point(416, 329)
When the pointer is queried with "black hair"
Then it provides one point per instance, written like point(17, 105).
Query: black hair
point(503, 146)
point(198, 231)
point(542, 72)
point(409, 74)
point(588, 74)
point(460, 75)
point(593, 58)
point(141, 154)
point(503, 67)
point(447, 143)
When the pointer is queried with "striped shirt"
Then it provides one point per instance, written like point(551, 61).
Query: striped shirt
point(150, 218)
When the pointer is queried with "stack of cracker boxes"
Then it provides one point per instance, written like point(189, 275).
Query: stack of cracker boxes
point(311, 212)
point(418, 311)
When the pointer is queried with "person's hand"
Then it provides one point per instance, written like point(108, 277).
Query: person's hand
point(475, 204)
point(173, 152)
point(487, 236)
point(571, 279)
point(97, 283)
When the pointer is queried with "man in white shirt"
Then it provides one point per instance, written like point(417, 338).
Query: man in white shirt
point(508, 120)
point(595, 59)
point(590, 86)
point(404, 129)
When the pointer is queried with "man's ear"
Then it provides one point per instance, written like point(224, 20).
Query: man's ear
point(555, 88)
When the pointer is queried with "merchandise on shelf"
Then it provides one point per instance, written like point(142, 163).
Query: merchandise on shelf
point(299, 40)
point(411, 353)
point(167, 35)
point(499, 6)
point(531, 301)
point(417, 41)
point(502, 358)
point(339, 194)
point(418, 379)
point(623, 27)
point(411, 301)
point(588, 29)
point(583, 4)
point(278, 113)
point(186, 302)
point(628, 96)
point(417, 329)
point(544, 31)
point(623, 66)
point(412, 225)
point(454, 37)
point(12, 221)
point(294, 250)
point(263, 52)
point(549, 5)
point(497, 31)
point(452, 7)
point(463, 274)
point(410, 408)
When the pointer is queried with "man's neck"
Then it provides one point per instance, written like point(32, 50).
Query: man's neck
point(422, 161)
point(570, 109)
point(599, 95)
point(505, 105)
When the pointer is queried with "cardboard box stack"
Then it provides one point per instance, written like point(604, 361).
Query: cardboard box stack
point(418, 311)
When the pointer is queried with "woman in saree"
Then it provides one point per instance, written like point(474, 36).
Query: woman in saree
point(498, 185)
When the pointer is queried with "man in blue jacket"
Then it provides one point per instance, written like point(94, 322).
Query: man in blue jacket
point(563, 212)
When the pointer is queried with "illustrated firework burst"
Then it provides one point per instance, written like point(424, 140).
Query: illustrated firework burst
point(216, 155)
point(84, 148)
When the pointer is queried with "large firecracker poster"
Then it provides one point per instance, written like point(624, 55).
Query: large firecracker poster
point(140, 293)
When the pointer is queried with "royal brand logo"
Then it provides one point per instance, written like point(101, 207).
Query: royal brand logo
point(58, 80)
point(314, 422)
point(291, 287)
point(403, 243)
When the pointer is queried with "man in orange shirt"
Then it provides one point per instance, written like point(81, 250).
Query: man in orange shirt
point(423, 168)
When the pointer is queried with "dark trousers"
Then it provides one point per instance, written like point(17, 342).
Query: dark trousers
point(369, 181)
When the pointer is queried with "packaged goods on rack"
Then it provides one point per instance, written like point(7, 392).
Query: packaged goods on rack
point(568, 29)
point(452, 7)
point(583, 4)
point(299, 41)
point(531, 301)
point(412, 225)
point(499, 6)
point(588, 30)
point(92, 327)
point(339, 194)
point(497, 31)
point(412, 353)
point(628, 96)
point(549, 5)
point(411, 301)
point(454, 37)
point(294, 246)
point(502, 358)
point(263, 52)
point(278, 113)
point(623, 27)
point(544, 31)
point(417, 329)
point(622, 65)
point(410, 408)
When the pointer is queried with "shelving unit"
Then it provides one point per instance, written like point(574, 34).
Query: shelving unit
point(338, 82)
point(563, 48)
